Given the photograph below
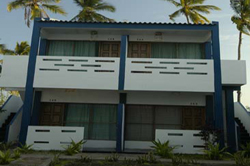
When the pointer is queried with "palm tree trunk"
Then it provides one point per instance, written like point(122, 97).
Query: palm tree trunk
point(187, 18)
point(239, 58)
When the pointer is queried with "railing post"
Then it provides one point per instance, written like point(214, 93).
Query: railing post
point(218, 109)
point(29, 92)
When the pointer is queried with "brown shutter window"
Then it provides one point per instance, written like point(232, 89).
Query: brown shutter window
point(139, 50)
point(109, 49)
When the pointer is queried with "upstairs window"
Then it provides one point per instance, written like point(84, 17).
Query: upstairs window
point(167, 50)
point(83, 48)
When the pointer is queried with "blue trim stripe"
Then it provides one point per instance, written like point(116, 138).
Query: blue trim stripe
point(27, 107)
point(6, 102)
point(124, 43)
point(11, 122)
point(231, 140)
point(119, 128)
point(218, 110)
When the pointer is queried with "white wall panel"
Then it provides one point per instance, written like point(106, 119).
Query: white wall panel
point(176, 75)
point(233, 72)
point(77, 72)
point(167, 98)
point(14, 72)
point(80, 96)
point(188, 141)
point(53, 138)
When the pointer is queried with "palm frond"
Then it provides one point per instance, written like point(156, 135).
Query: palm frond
point(105, 7)
point(203, 18)
point(15, 5)
point(174, 3)
point(175, 14)
point(54, 9)
point(194, 2)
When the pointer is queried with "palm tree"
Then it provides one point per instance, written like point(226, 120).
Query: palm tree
point(22, 48)
point(192, 9)
point(241, 18)
point(36, 8)
point(89, 10)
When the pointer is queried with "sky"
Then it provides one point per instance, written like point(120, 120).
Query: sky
point(13, 28)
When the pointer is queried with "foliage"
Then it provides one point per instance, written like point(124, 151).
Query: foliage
point(6, 146)
point(210, 135)
point(191, 9)
point(113, 158)
point(16, 154)
point(22, 48)
point(147, 159)
point(25, 148)
point(56, 160)
point(214, 152)
point(74, 147)
point(36, 8)
point(128, 162)
point(241, 17)
point(90, 8)
point(85, 159)
point(163, 149)
point(240, 159)
point(179, 161)
point(5, 157)
point(246, 149)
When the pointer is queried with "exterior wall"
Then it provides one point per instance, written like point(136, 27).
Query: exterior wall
point(166, 98)
point(179, 75)
point(14, 72)
point(233, 72)
point(77, 72)
point(80, 96)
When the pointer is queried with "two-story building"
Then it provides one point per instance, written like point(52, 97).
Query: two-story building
point(123, 85)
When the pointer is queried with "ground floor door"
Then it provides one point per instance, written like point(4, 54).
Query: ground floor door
point(52, 114)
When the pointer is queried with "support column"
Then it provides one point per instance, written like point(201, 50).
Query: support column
point(231, 134)
point(218, 109)
point(123, 56)
point(29, 92)
point(120, 123)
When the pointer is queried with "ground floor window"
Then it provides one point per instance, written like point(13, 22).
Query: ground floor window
point(141, 121)
point(99, 121)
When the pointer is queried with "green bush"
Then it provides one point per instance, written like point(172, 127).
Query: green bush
point(214, 152)
point(163, 149)
point(74, 147)
point(6, 146)
point(25, 148)
point(146, 159)
point(240, 159)
point(56, 160)
point(85, 159)
point(113, 158)
point(16, 154)
point(246, 149)
point(5, 157)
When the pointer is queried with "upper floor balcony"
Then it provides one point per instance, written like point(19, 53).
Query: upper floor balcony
point(102, 73)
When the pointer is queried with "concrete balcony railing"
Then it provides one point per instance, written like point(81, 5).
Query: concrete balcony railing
point(100, 73)
point(77, 72)
point(183, 75)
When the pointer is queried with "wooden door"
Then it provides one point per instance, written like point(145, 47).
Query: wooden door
point(193, 118)
point(109, 49)
point(139, 50)
point(52, 114)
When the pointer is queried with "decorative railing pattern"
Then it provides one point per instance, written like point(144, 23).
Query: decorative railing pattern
point(53, 138)
point(77, 72)
point(187, 141)
point(169, 75)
